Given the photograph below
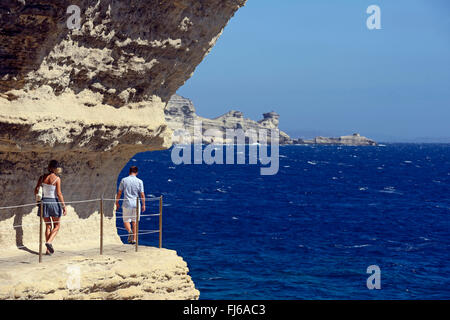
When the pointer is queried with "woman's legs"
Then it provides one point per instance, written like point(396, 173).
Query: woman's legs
point(48, 230)
point(56, 225)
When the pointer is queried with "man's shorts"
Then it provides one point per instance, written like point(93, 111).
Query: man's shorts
point(129, 214)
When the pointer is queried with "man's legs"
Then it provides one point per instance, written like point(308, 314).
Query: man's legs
point(126, 222)
point(129, 222)
point(134, 230)
point(127, 226)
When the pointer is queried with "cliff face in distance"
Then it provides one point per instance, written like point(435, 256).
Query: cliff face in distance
point(90, 98)
point(351, 140)
point(180, 115)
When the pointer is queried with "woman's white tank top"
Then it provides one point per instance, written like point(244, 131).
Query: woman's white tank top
point(49, 190)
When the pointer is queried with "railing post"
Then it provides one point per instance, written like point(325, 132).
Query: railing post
point(101, 225)
point(160, 220)
point(41, 219)
point(137, 223)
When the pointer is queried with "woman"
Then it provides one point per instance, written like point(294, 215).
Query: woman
point(52, 208)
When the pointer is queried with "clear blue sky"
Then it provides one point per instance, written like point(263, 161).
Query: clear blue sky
point(317, 65)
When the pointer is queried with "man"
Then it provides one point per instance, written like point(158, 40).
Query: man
point(132, 188)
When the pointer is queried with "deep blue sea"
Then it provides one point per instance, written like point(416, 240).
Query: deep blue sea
point(310, 231)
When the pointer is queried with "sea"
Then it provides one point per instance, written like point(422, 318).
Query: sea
point(335, 222)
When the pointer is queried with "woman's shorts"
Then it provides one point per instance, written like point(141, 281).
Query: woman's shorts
point(129, 214)
point(51, 208)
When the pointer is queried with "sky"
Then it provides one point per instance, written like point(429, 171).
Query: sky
point(317, 64)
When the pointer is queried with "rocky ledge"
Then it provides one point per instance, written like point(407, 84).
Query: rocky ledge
point(120, 273)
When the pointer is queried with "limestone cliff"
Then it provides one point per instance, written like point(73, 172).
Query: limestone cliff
point(180, 115)
point(90, 97)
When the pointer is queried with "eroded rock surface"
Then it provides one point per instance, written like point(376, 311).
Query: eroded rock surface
point(90, 97)
point(120, 273)
point(127, 51)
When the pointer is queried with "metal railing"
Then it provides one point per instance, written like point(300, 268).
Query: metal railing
point(101, 227)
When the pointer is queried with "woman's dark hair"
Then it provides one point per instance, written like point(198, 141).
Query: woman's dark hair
point(133, 169)
point(53, 164)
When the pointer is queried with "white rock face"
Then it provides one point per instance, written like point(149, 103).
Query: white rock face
point(180, 115)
